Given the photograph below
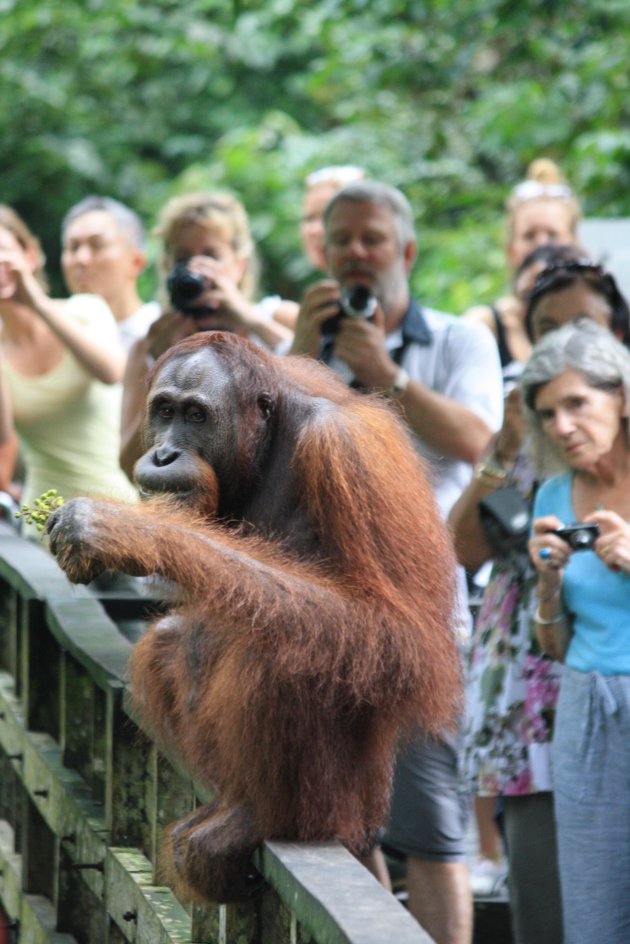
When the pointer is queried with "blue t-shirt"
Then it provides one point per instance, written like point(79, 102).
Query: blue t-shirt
point(597, 598)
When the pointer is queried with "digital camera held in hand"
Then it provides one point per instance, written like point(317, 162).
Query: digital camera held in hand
point(357, 301)
point(185, 287)
point(579, 537)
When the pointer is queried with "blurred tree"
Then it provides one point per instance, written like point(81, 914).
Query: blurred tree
point(449, 102)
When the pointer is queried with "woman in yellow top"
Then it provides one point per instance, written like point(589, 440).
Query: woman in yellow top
point(61, 365)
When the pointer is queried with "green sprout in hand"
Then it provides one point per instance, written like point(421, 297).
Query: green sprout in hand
point(42, 509)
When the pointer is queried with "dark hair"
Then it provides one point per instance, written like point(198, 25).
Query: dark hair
point(563, 274)
point(550, 253)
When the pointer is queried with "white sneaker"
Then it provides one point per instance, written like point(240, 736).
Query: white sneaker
point(487, 876)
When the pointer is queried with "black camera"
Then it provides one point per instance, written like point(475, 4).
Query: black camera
point(579, 537)
point(185, 287)
point(355, 302)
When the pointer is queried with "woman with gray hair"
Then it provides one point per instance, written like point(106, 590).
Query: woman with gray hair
point(576, 391)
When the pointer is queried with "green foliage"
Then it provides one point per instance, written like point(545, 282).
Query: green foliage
point(449, 102)
point(42, 509)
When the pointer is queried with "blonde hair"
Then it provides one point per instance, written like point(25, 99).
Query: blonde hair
point(15, 225)
point(221, 215)
point(543, 181)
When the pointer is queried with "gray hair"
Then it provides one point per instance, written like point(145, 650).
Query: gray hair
point(128, 222)
point(372, 191)
point(583, 346)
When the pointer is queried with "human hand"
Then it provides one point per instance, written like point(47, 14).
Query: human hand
point(319, 303)
point(222, 295)
point(361, 345)
point(613, 545)
point(510, 436)
point(549, 553)
point(18, 285)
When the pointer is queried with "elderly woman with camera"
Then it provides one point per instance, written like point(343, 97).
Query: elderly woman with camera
point(576, 392)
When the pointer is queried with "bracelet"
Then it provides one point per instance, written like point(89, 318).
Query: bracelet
point(548, 622)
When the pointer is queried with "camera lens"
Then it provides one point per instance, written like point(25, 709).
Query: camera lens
point(184, 287)
point(357, 302)
point(582, 540)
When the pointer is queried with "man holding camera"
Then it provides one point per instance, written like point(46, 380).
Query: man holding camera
point(446, 376)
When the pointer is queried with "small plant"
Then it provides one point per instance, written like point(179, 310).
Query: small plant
point(42, 509)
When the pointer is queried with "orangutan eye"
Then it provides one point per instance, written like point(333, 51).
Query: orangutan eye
point(195, 414)
point(163, 409)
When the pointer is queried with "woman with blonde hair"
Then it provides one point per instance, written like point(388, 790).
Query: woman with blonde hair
point(540, 210)
point(207, 250)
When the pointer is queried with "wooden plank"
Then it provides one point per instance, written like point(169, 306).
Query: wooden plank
point(35, 913)
point(336, 899)
point(145, 913)
point(59, 794)
point(33, 572)
point(93, 639)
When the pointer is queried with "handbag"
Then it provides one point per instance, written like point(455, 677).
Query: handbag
point(505, 517)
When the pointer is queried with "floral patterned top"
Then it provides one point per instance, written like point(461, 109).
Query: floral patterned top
point(512, 687)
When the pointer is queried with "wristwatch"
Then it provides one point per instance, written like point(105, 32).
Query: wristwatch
point(399, 384)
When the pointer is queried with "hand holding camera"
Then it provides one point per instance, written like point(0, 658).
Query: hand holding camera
point(355, 302)
point(186, 287)
point(201, 288)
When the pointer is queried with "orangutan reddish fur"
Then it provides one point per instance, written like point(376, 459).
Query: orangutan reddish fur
point(315, 623)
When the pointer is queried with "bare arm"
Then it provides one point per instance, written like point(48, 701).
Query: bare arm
point(134, 393)
point(320, 302)
point(482, 314)
point(445, 425)
point(224, 294)
point(8, 437)
point(552, 622)
point(102, 359)
point(470, 541)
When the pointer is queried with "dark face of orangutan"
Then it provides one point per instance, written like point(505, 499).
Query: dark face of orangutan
point(201, 448)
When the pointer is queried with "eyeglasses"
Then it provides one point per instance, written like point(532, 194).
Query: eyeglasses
point(340, 174)
point(534, 190)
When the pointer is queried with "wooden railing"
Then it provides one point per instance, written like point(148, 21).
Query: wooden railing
point(85, 794)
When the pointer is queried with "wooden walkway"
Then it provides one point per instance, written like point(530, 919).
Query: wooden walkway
point(85, 794)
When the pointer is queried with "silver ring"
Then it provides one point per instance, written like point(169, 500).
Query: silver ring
point(544, 553)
